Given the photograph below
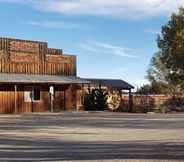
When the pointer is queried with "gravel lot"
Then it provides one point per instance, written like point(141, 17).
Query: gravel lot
point(87, 136)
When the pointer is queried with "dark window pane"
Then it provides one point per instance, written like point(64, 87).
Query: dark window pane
point(36, 95)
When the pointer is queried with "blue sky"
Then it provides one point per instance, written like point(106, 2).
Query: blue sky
point(111, 38)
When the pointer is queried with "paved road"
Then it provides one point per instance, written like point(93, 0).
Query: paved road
point(91, 136)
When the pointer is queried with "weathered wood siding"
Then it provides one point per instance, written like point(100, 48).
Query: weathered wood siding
point(38, 106)
point(32, 57)
point(140, 102)
point(65, 99)
point(7, 99)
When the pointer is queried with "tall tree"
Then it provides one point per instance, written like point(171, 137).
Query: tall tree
point(167, 65)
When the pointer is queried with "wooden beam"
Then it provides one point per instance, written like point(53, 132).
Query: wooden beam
point(130, 103)
point(15, 88)
point(83, 93)
point(64, 99)
point(32, 104)
point(52, 103)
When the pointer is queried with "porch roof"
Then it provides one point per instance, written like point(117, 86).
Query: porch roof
point(114, 83)
point(36, 79)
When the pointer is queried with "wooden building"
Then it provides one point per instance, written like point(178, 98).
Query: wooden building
point(35, 78)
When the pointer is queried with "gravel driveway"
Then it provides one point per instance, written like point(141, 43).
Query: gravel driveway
point(97, 136)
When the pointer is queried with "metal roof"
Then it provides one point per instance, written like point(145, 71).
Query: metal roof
point(58, 79)
point(50, 79)
point(114, 83)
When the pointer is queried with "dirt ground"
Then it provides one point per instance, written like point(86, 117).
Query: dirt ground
point(91, 136)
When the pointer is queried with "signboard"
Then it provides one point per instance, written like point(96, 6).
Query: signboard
point(58, 59)
point(24, 46)
point(23, 57)
point(51, 90)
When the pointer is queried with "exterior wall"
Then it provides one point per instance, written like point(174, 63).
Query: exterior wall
point(65, 99)
point(7, 99)
point(37, 106)
point(32, 57)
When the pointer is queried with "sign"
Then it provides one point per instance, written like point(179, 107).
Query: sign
point(23, 57)
point(24, 46)
point(51, 90)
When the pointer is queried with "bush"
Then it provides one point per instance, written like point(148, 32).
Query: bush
point(89, 104)
point(96, 100)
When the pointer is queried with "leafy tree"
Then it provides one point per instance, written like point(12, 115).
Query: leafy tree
point(96, 100)
point(167, 65)
point(153, 88)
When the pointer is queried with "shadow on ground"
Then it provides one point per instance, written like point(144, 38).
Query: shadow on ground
point(50, 150)
point(93, 120)
point(24, 148)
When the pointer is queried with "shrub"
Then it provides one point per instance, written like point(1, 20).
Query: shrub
point(96, 100)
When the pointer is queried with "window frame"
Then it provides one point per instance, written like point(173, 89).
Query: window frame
point(30, 89)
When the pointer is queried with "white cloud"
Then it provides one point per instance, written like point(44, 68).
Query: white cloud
point(57, 24)
point(105, 48)
point(113, 8)
point(88, 47)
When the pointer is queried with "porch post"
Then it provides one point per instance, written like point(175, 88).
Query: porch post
point(130, 102)
point(32, 104)
point(121, 99)
point(15, 89)
point(64, 99)
point(52, 104)
point(82, 95)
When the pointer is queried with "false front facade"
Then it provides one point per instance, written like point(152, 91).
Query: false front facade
point(35, 78)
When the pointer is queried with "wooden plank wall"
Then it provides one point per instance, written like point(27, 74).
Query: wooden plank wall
point(140, 102)
point(65, 98)
point(31, 57)
point(7, 99)
point(38, 106)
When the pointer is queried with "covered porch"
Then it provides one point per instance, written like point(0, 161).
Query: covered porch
point(113, 86)
point(22, 93)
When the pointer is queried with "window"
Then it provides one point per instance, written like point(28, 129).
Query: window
point(36, 94)
point(32, 95)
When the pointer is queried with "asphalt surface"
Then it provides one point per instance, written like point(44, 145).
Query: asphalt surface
point(97, 136)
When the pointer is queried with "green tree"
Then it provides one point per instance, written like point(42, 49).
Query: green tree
point(96, 100)
point(153, 88)
point(167, 65)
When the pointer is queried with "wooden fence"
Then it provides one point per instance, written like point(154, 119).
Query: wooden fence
point(143, 103)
